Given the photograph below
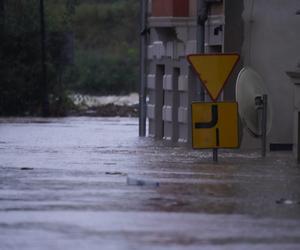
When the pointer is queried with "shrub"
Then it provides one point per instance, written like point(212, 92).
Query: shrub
point(105, 74)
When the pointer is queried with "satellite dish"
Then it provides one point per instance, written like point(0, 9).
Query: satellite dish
point(249, 87)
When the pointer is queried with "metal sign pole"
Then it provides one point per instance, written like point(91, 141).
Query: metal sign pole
point(298, 139)
point(264, 126)
point(215, 155)
point(143, 67)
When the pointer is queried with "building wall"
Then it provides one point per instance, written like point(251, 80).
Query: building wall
point(266, 35)
point(169, 80)
point(172, 85)
point(271, 47)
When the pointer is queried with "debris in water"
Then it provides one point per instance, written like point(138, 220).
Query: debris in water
point(110, 163)
point(141, 182)
point(26, 168)
point(287, 202)
point(115, 173)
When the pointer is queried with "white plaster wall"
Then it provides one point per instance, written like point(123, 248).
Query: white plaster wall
point(272, 47)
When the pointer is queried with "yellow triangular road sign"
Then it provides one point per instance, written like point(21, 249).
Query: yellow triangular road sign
point(213, 70)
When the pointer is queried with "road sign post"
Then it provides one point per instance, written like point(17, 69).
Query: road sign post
point(215, 124)
point(213, 70)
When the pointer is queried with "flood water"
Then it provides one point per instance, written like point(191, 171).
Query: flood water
point(92, 183)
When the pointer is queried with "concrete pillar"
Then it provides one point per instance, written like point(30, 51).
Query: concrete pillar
point(159, 100)
point(175, 104)
point(167, 106)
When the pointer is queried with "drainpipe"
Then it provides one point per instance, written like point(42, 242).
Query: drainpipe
point(201, 19)
point(143, 67)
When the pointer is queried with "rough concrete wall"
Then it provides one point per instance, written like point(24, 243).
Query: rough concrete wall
point(271, 47)
point(171, 39)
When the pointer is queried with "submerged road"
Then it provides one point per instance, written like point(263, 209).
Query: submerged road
point(92, 183)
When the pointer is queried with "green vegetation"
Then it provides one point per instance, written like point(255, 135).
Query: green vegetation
point(104, 58)
point(104, 73)
point(20, 67)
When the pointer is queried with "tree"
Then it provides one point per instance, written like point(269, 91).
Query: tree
point(20, 61)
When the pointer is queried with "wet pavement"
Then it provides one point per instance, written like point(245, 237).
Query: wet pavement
point(92, 183)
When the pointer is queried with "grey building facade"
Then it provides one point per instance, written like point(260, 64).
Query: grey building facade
point(265, 34)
